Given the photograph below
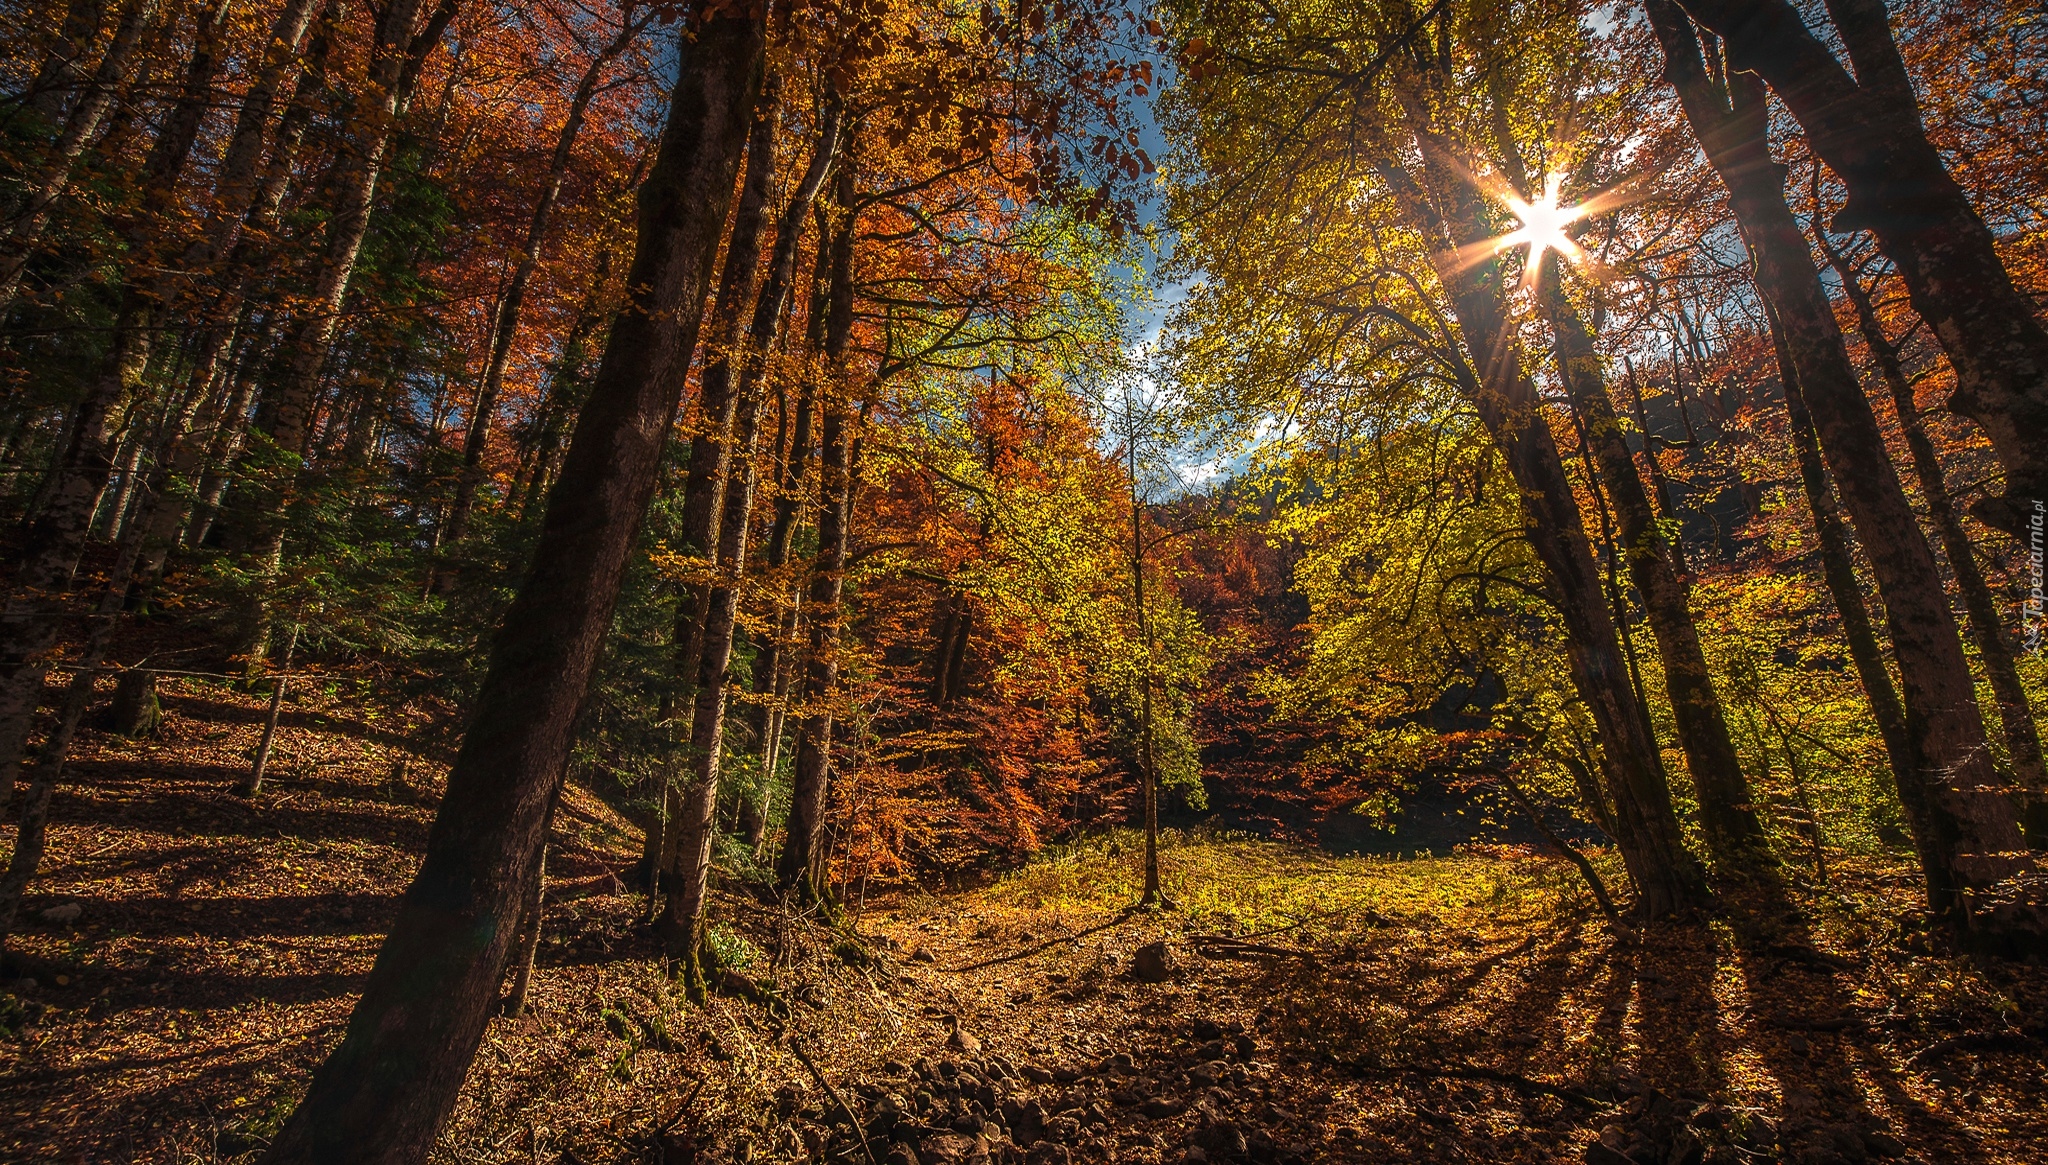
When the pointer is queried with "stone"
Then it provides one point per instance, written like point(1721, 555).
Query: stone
point(1153, 963)
point(1160, 1107)
point(947, 1149)
point(1036, 1074)
point(1879, 1143)
point(1599, 1154)
point(1209, 1073)
point(924, 955)
point(962, 1040)
point(64, 915)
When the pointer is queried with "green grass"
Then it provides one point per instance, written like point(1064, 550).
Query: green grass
point(1226, 883)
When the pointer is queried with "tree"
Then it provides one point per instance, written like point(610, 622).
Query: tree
point(382, 1094)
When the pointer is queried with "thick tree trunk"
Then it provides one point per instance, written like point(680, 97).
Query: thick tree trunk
point(1868, 130)
point(1964, 821)
point(1726, 810)
point(1838, 569)
point(1666, 875)
point(385, 1091)
point(505, 324)
point(1987, 628)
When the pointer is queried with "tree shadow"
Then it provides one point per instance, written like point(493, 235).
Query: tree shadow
point(205, 710)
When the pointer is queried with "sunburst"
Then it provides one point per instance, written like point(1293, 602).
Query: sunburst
point(1543, 224)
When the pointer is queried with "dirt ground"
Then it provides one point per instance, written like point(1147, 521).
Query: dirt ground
point(1301, 1007)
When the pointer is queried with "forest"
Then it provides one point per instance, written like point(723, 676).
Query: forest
point(985, 582)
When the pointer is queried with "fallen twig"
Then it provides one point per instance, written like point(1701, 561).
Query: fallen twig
point(851, 1116)
point(1239, 946)
point(1044, 946)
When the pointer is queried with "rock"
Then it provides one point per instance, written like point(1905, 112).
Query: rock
point(1599, 1154)
point(1036, 1074)
point(1048, 1153)
point(947, 1149)
point(1206, 1029)
point(1229, 1141)
point(924, 955)
point(65, 914)
point(961, 1040)
point(1798, 1044)
point(1153, 963)
point(1209, 1073)
point(1161, 1107)
point(1245, 1046)
point(1879, 1143)
point(901, 1155)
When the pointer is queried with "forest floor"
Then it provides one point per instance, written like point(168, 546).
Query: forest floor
point(1465, 1008)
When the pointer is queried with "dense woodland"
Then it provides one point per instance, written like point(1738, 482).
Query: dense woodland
point(1036, 580)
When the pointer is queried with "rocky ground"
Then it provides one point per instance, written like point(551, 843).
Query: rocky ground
point(195, 953)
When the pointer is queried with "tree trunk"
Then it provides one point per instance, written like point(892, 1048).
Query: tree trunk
point(707, 732)
point(704, 477)
point(1987, 628)
point(1868, 130)
point(394, 70)
point(1964, 822)
point(1838, 570)
point(798, 872)
point(1726, 810)
point(771, 668)
point(18, 245)
point(62, 75)
point(506, 322)
point(1667, 877)
point(385, 1091)
point(49, 556)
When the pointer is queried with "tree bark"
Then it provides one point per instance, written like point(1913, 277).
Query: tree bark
point(1838, 570)
point(704, 476)
point(25, 232)
point(1727, 811)
point(707, 732)
point(1666, 875)
point(400, 50)
point(798, 871)
point(1963, 818)
point(1868, 130)
point(1994, 650)
point(505, 324)
point(49, 556)
point(384, 1092)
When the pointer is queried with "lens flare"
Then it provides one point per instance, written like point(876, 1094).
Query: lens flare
point(1543, 224)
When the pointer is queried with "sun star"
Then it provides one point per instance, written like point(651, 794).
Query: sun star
point(1543, 224)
